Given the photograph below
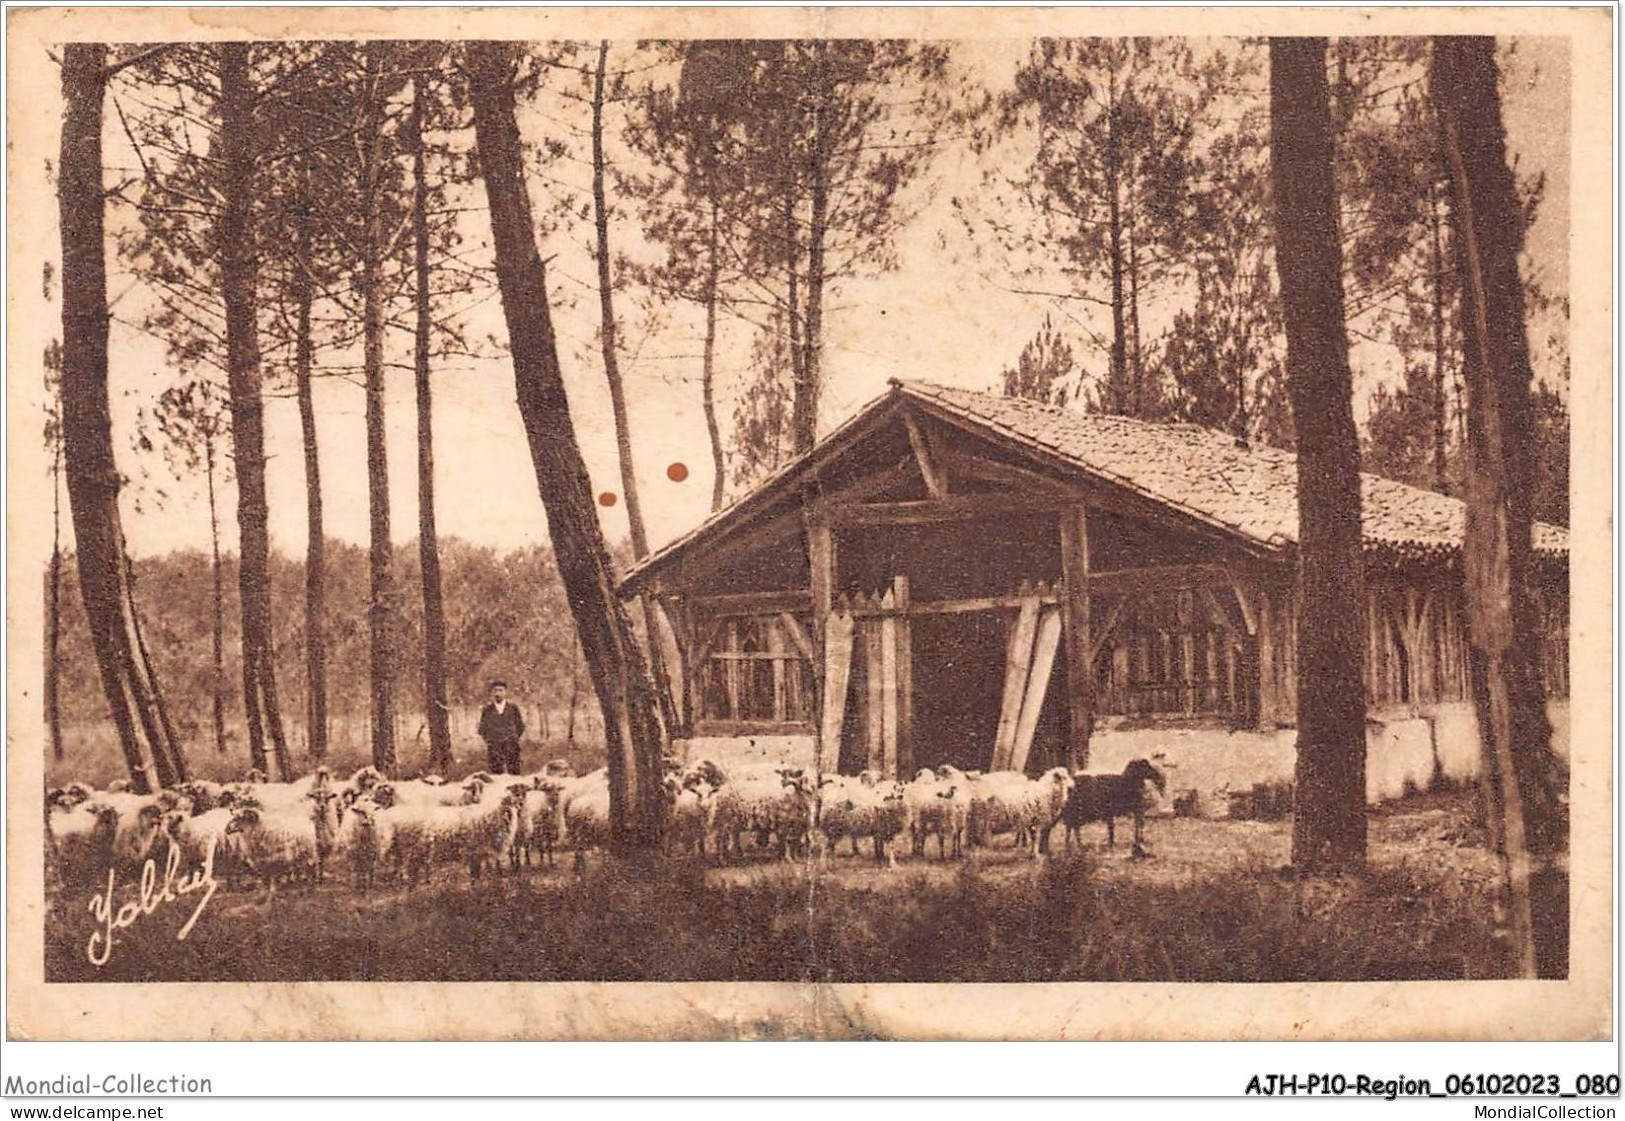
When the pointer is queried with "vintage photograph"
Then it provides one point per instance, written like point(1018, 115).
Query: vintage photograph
point(830, 508)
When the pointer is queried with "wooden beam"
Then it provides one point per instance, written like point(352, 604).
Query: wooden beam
point(905, 679)
point(1244, 601)
point(837, 673)
point(757, 538)
point(963, 507)
point(1229, 620)
point(775, 650)
point(1004, 474)
point(1103, 633)
point(867, 486)
point(873, 674)
point(932, 469)
point(713, 631)
point(983, 603)
point(821, 558)
point(1018, 659)
point(1269, 695)
point(1080, 678)
point(755, 603)
point(888, 690)
point(1157, 578)
point(1044, 648)
point(798, 635)
point(732, 672)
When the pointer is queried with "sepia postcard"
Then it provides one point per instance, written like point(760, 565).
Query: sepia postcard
point(796, 523)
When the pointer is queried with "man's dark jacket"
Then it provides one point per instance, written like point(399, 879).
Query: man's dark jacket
point(503, 727)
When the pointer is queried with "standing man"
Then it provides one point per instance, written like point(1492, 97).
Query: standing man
point(500, 728)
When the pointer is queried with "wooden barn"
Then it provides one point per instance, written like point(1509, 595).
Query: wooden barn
point(958, 577)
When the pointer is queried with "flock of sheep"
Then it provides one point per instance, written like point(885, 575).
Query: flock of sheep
point(380, 830)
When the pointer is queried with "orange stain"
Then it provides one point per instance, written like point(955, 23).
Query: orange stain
point(607, 498)
point(677, 472)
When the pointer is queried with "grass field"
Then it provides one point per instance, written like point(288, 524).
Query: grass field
point(1214, 902)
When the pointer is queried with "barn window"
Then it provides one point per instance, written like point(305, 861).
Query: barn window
point(755, 673)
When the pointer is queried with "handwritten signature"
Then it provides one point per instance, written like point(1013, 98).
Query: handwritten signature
point(153, 895)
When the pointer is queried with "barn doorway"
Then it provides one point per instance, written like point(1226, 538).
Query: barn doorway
point(959, 667)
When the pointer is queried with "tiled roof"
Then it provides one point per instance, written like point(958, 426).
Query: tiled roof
point(1251, 491)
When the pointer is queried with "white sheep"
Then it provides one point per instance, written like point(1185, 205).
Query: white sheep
point(584, 807)
point(782, 805)
point(690, 812)
point(82, 838)
point(862, 807)
point(193, 835)
point(274, 845)
point(416, 792)
point(137, 837)
point(326, 814)
point(480, 835)
point(938, 807)
point(203, 794)
point(1010, 802)
point(540, 821)
point(367, 838)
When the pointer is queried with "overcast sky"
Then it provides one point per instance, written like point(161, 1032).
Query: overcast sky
point(937, 316)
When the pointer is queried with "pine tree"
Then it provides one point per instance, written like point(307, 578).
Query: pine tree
point(617, 668)
point(1045, 370)
point(1328, 820)
point(1523, 782)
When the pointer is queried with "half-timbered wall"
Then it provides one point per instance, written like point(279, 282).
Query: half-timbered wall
point(753, 673)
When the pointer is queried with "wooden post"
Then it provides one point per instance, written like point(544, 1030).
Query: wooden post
point(1075, 622)
point(671, 613)
point(821, 566)
point(836, 672)
point(1044, 649)
point(775, 647)
point(732, 668)
point(1267, 688)
point(905, 679)
point(932, 469)
point(874, 675)
point(888, 686)
point(1020, 653)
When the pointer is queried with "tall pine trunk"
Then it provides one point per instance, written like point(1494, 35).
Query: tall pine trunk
point(87, 438)
point(380, 575)
point(1127, 395)
point(53, 611)
point(1522, 777)
point(811, 371)
point(708, 396)
point(217, 683)
point(239, 269)
point(1441, 480)
point(437, 713)
point(606, 314)
point(812, 362)
point(792, 299)
point(172, 767)
point(1328, 822)
point(614, 662)
point(315, 541)
point(617, 388)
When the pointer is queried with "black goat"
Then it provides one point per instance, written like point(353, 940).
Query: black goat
point(1108, 797)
